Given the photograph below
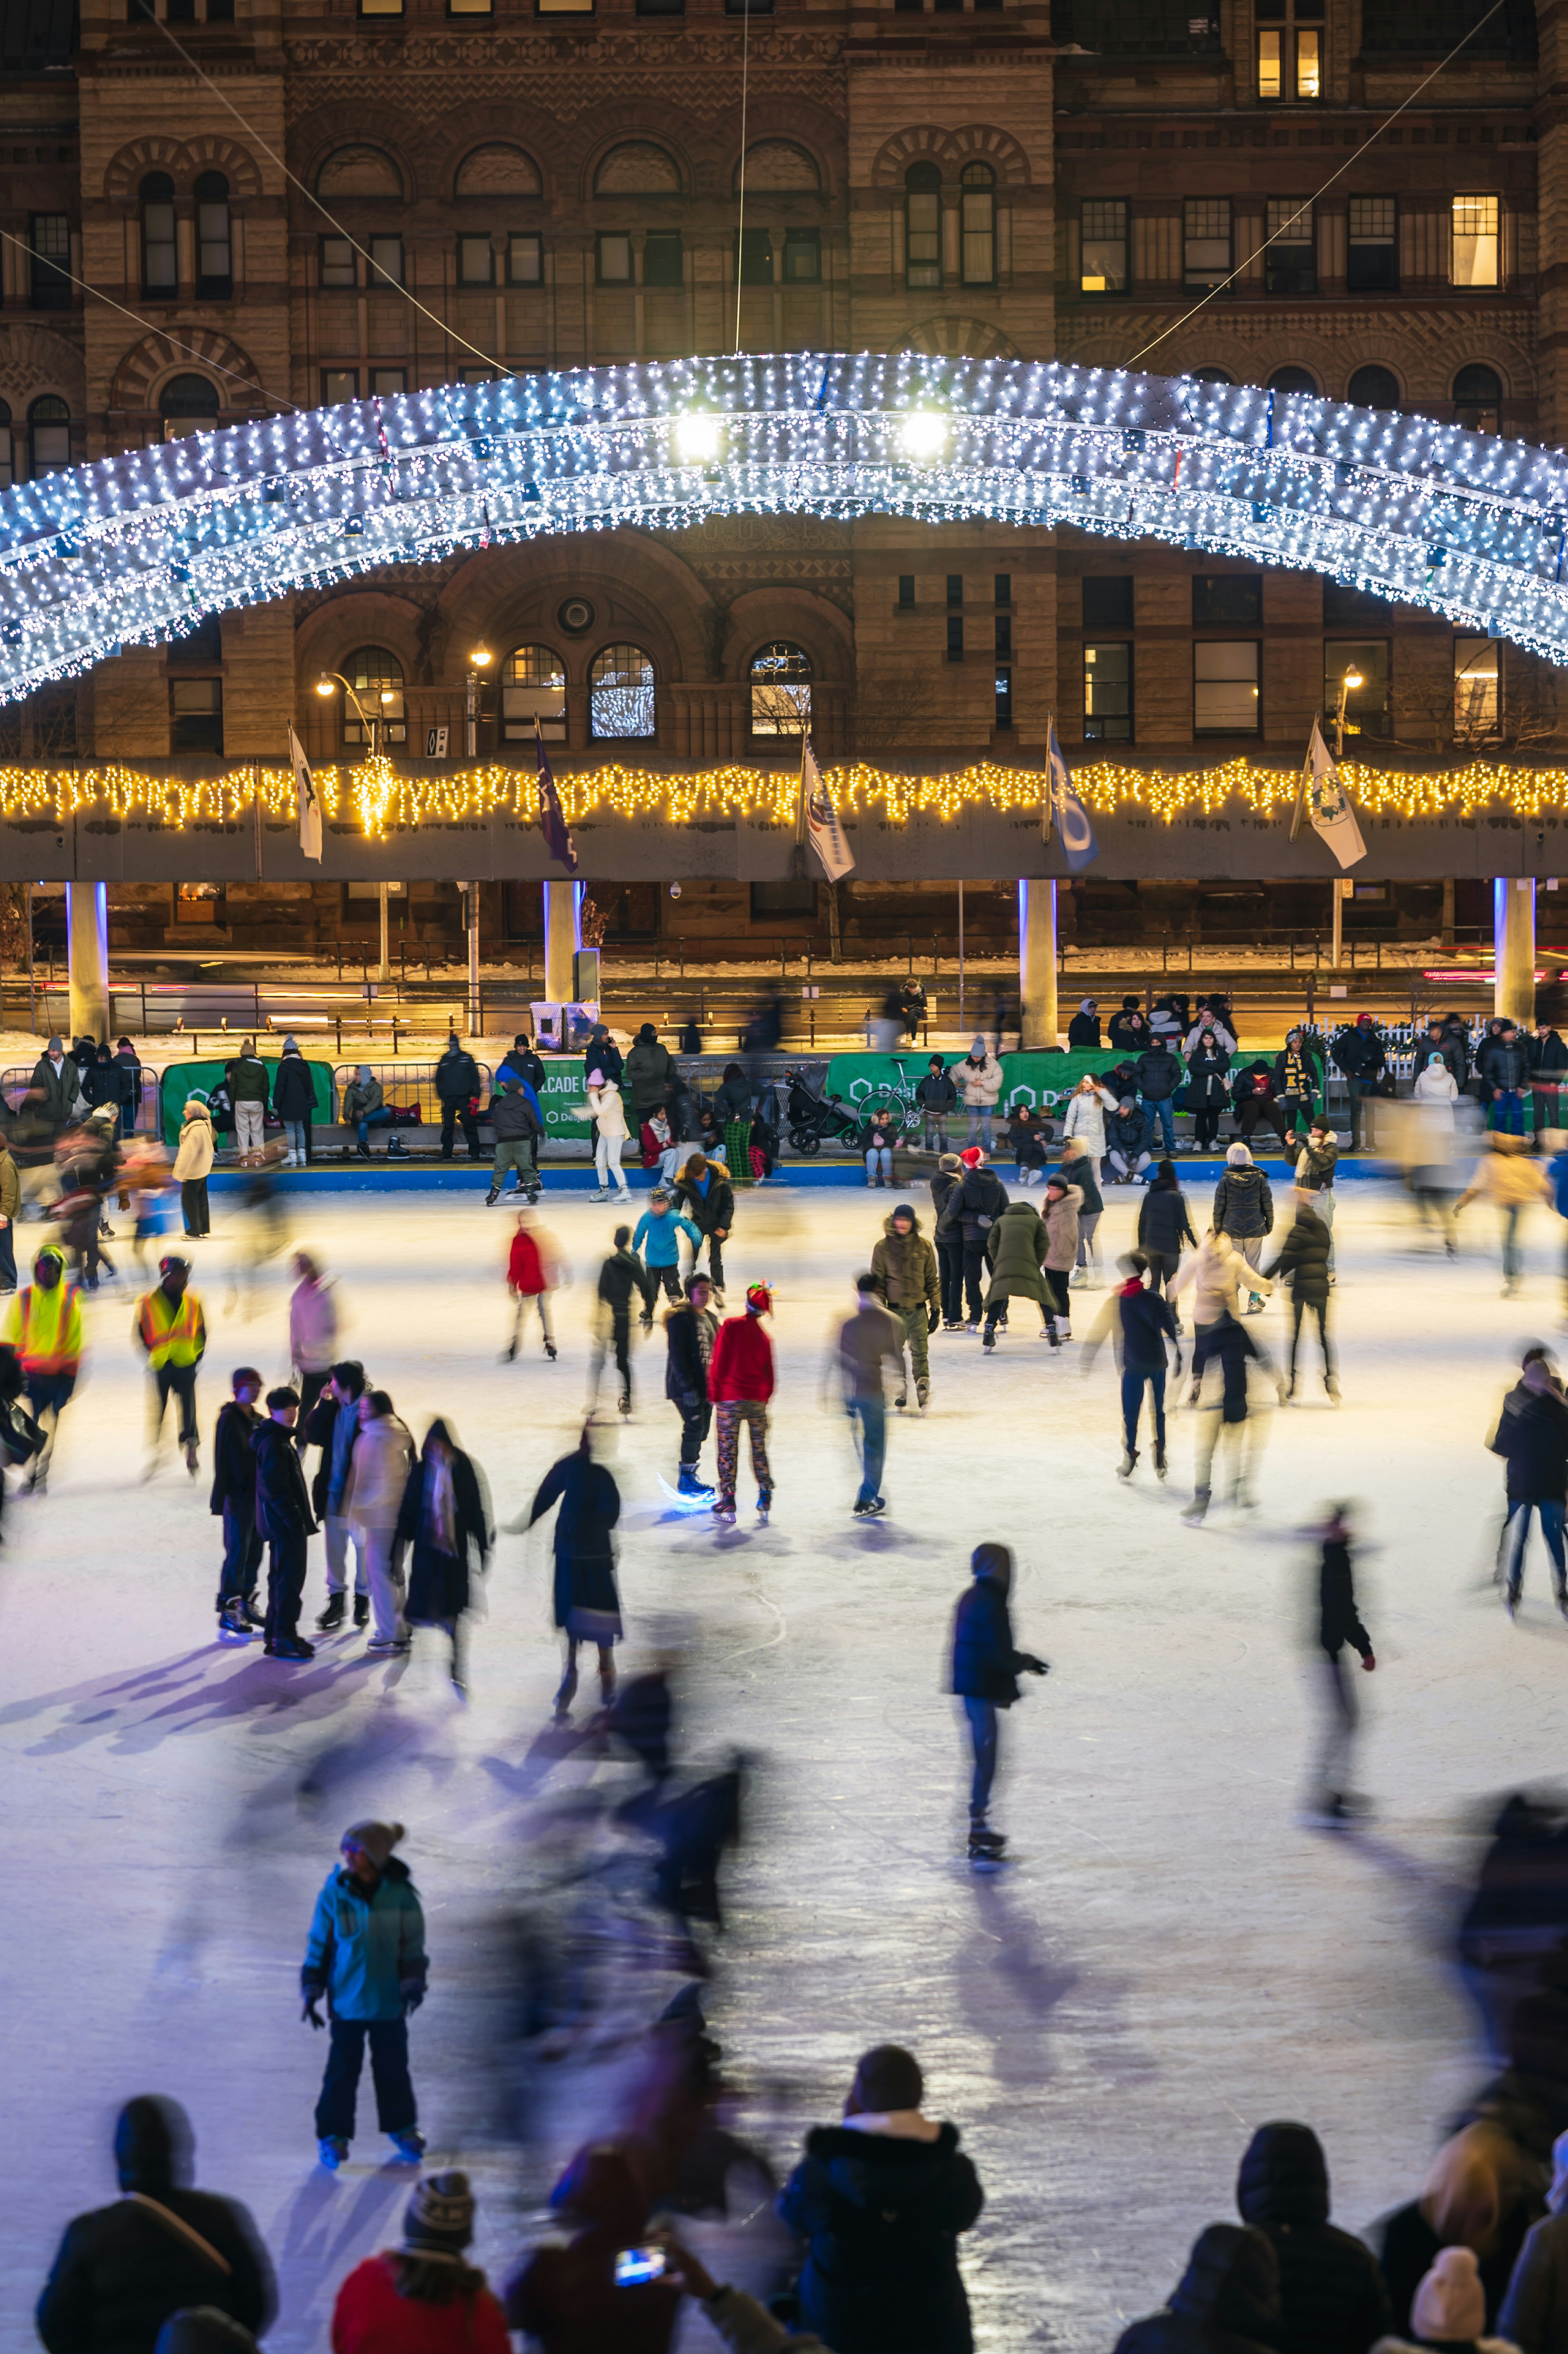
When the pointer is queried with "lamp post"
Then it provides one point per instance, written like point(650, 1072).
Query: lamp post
point(478, 659)
point(327, 685)
point(1353, 678)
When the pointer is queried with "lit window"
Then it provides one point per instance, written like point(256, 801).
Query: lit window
point(1368, 708)
point(534, 686)
point(922, 226)
point(781, 690)
point(1206, 240)
point(377, 677)
point(337, 263)
point(476, 262)
point(1477, 401)
point(1225, 699)
point(1475, 708)
point(1477, 260)
point(620, 692)
point(1107, 695)
point(1309, 65)
point(1291, 258)
point(1102, 268)
point(525, 260)
point(1271, 62)
point(160, 265)
point(215, 265)
point(976, 215)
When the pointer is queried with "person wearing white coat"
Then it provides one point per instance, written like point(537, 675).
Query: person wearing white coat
point(1434, 1181)
point(609, 1116)
point(978, 1081)
point(377, 1475)
point(1085, 1117)
point(1436, 1085)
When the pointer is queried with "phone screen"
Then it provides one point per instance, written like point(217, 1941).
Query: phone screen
point(635, 2265)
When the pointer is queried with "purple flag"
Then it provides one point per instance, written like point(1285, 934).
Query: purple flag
point(552, 818)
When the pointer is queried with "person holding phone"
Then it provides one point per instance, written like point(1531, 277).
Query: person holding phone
point(611, 2288)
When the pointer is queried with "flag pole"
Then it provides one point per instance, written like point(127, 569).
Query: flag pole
point(1048, 803)
point(1300, 810)
point(798, 855)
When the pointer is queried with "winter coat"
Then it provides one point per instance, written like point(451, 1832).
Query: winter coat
point(1531, 1436)
point(527, 1272)
point(439, 1579)
point(742, 1364)
point(602, 1055)
point(127, 1072)
point(1083, 1169)
point(1206, 1088)
point(936, 1093)
point(1548, 1057)
point(457, 1076)
point(649, 1073)
point(10, 1185)
point(1215, 1270)
point(1062, 1230)
point(658, 1237)
point(102, 1084)
point(867, 1340)
point(62, 1090)
point(1435, 1087)
point(1331, 2294)
point(1243, 1204)
point(621, 1280)
point(520, 1063)
point(1510, 1180)
point(1137, 1321)
point(979, 1084)
point(1315, 1167)
point(1303, 1258)
point(1308, 1084)
point(605, 1110)
point(1127, 1030)
point(904, 1269)
point(590, 1507)
point(233, 1463)
point(1163, 1223)
point(193, 1158)
point(1411, 2247)
point(975, 1203)
point(1359, 1052)
point(690, 1335)
point(282, 1507)
point(1086, 1120)
point(1160, 1074)
point(121, 2271)
point(322, 1431)
point(1129, 1133)
point(881, 2217)
point(360, 1098)
point(1504, 1068)
point(1016, 1251)
point(378, 1474)
point(566, 2301)
point(985, 1663)
point(1084, 1033)
point(1339, 1623)
point(513, 1117)
point(1534, 2316)
point(370, 2318)
point(943, 1182)
point(293, 1087)
point(365, 1951)
point(1222, 1032)
point(710, 1212)
point(313, 1327)
point(1227, 2303)
point(248, 1079)
point(1453, 1050)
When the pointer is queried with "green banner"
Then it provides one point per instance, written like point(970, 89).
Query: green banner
point(1042, 1081)
point(563, 1100)
point(199, 1077)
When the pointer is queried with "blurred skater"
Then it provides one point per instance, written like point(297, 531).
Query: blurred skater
point(532, 1273)
point(233, 1498)
point(904, 1269)
point(1226, 1420)
point(1139, 1325)
point(1507, 1177)
point(1315, 1166)
point(171, 1331)
point(283, 1518)
point(1015, 1252)
point(263, 1231)
point(1531, 1436)
point(443, 1523)
point(1079, 1166)
point(1164, 1225)
point(985, 1672)
point(949, 1243)
point(313, 1330)
point(621, 1280)
point(691, 1333)
point(865, 1341)
point(365, 1953)
point(740, 1382)
point(1244, 1209)
point(587, 1601)
point(1303, 1263)
point(373, 1501)
point(43, 1324)
point(1334, 1801)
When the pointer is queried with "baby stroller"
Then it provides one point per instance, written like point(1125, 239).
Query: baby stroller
point(811, 1120)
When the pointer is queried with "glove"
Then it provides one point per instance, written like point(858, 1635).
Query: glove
point(310, 2012)
point(413, 1993)
point(933, 1320)
point(1031, 1665)
point(1369, 1663)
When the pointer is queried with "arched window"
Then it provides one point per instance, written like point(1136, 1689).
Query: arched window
point(780, 690)
point(533, 686)
point(497, 171)
point(977, 207)
point(160, 260)
point(620, 692)
point(5, 474)
point(773, 166)
point(922, 226)
point(188, 404)
point(1477, 401)
point(638, 169)
point(377, 677)
point(1212, 376)
point(1373, 387)
point(1293, 379)
point(214, 265)
point(359, 171)
point(48, 435)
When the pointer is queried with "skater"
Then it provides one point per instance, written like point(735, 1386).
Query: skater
point(43, 1324)
point(949, 1243)
point(378, 1477)
point(1139, 1323)
point(457, 1091)
point(334, 1427)
point(1315, 1167)
point(1332, 2299)
point(1061, 1221)
point(986, 1669)
point(587, 1602)
point(1430, 1173)
point(519, 1132)
point(657, 1242)
point(171, 1332)
point(10, 1211)
point(740, 1382)
point(313, 1330)
point(1244, 1209)
point(1126, 1140)
point(1334, 1802)
point(706, 1196)
point(1089, 1108)
point(1015, 1253)
point(1303, 1263)
point(1208, 1060)
point(1218, 1274)
point(283, 1518)
point(936, 1100)
point(193, 1165)
point(1080, 1167)
point(610, 1135)
point(233, 1498)
point(979, 1080)
point(690, 1331)
point(533, 1271)
point(365, 1953)
point(262, 1232)
point(425, 2296)
point(1164, 1224)
point(1507, 1176)
point(1531, 1436)
point(904, 1269)
point(621, 1278)
point(294, 1101)
point(246, 1079)
point(970, 1211)
point(1084, 1029)
point(865, 2290)
point(865, 1341)
point(1222, 1364)
point(443, 1522)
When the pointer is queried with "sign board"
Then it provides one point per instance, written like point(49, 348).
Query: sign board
point(1042, 1081)
point(201, 1075)
point(436, 740)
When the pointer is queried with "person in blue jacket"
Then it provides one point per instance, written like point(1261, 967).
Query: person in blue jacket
point(366, 1955)
point(986, 1669)
point(657, 1243)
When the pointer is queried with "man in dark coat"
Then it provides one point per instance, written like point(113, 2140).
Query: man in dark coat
point(1331, 2295)
point(650, 1073)
point(520, 1062)
point(1160, 1074)
point(703, 1193)
point(1548, 1075)
point(970, 1211)
point(1361, 1055)
point(986, 1669)
point(880, 2201)
point(283, 1518)
point(690, 1331)
point(949, 1241)
point(457, 1089)
point(1303, 1263)
point(1503, 1066)
point(122, 2269)
point(1227, 2301)
point(1084, 1029)
point(586, 1600)
point(1531, 1436)
point(234, 1499)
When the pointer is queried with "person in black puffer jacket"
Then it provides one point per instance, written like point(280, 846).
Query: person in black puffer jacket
point(1331, 2294)
point(1303, 1262)
point(1227, 2303)
point(949, 1243)
point(970, 1211)
point(1164, 1224)
point(457, 1086)
point(1503, 1063)
point(880, 2201)
point(986, 1669)
point(1244, 1205)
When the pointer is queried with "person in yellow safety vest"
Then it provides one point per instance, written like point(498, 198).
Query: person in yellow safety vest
point(172, 1332)
point(43, 1325)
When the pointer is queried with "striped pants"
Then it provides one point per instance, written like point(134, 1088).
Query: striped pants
point(729, 1415)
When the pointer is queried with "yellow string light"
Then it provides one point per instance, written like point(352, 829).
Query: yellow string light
point(372, 799)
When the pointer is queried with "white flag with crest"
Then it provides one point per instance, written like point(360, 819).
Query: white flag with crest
point(309, 800)
point(826, 833)
point(1323, 800)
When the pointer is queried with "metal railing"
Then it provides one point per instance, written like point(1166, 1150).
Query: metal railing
point(408, 1085)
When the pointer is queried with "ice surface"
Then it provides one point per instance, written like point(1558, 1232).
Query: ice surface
point(1170, 1961)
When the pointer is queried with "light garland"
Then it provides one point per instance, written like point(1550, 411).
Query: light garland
point(142, 547)
point(372, 800)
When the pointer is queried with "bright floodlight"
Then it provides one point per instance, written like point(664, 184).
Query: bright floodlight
point(327, 686)
point(481, 657)
point(1354, 678)
point(698, 437)
point(925, 434)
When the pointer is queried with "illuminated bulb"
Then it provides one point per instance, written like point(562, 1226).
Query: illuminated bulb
point(327, 686)
point(697, 437)
point(481, 657)
point(924, 433)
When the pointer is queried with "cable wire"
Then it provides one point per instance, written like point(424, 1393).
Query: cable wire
point(740, 221)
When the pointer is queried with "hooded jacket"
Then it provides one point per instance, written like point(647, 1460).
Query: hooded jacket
point(712, 1212)
point(248, 1079)
point(979, 1084)
point(121, 2271)
point(905, 1267)
point(1129, 1132)
point(365, 1951)
point(457, 1076)
point(1206, 1088)
point(1331, 2294)
point(1531, 1436)
point(379, 1473)
point(193, 1156)
point(1504, 1067)
point(61, 1087)
point(1243, 1204)
point(1315, 1164)
point(1062, 1230)
point(742, 1367)
point(1084, 1033)
point(1083, 1171)
point(607, 1111)
point(1358, 1052)
point(293, 1087)
point(985, 1661)
point(1163, 1222)
point(1086, 1120)
point(881, 2216)
point(233, 1464)
point(1015, 1252)
point(361, 1097)
point(975, 1203)
point(513, 1116)
point(648, 1072)
point(1160, 1073)
point(689, 1334)
point(1228, 2301)
point(1303, 1258)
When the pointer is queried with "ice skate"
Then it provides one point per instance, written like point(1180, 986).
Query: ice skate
point(624, 1402)
point(725, 1515)
point(362, 1609)
point(509, 1353)
point(690, 1483)
point(565, 1692)
point(902, 1400)
point(1195, 1511)
point(922, 1395)
point(551, 1351)
point(989, 1339)
point(1124, 1469)
point(1160, 1463)
point(291, 1647)
point(332, 2151)
point(333, 1616)
point(409, 2144)
point(193, 1459)
point(492, 1198)
point(231, 1625)
point(986, 1850)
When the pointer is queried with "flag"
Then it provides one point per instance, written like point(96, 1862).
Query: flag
point(1078, 844)
point(552, 818)
point(823, 828)
point(1323, 798)
point(309, 800)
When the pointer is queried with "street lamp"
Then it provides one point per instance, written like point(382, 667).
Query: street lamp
point(328, 685)
point(1353, 678)
point(480, 659)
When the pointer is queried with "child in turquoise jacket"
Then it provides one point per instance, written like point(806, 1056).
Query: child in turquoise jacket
point(366, 1955)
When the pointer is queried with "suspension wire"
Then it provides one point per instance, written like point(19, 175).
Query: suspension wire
point(311, 198)
point(1348, 164)
point(740, 221)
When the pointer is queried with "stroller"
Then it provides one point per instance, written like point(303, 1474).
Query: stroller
point(810, 1119)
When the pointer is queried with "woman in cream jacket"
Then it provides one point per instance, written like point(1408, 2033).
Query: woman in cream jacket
point(1086, 1108)
point(377, 1475)
point(609, 1116)
point(192, 1163)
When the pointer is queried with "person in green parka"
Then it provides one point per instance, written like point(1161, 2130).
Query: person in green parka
point(1015, 1253)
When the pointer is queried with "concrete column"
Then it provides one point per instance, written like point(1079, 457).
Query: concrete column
point(87, 935)
point(1514, 932)
point(1037, 961)
point(562, 939)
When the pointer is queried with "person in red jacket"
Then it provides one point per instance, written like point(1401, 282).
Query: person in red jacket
point(740, 1382)
point(530, 1279)
point(423, 2297)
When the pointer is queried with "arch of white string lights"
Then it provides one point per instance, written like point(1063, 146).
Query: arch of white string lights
point(140, 547)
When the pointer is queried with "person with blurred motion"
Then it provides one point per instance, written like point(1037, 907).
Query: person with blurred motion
point(1507, 1177)
point(333, 1426)
point(1139, 1325)
point(971, 1209)
point(1015, 1255)
point(948, 1242)
point(1244, 1209)
point(443, 1526)
point(936, 1099)
point(1333, 1802)
point(1217, 1275)
point(365, 1955)
point(1226, 2302)
point(986, 1667)
point(519, 1133)
point(1302, 1262)
point(192, 1166)
point(586, 1600)
point(904, 1269)
point(1060, 1219)
point(1481, 2195)
point(571, 2299)
point(867, 1339)
point(1224, 1356)
point(283, 1518)
point(233, 1497)
point(425, 2296)
point(1531, 1436)
point(1084, 1029)
point(657, 1242)
point(691, 1334)
point(1315, 1164)
point(1359, 1052)
point(978, 1077)
point(705, 1196)
point(1534, 2315)
point(1081, 1169)
point(532, 1273)
point(121, 2271)
point(740, 1382)
point(10, 1211)
point(1164, 1225)
point(43, 1324)
point(171, 1332)
point(880, 2202)
point(622, 1279)
point(457, 1092)
point(1331, 2294)
point(313, 1330)
point(378, 1475)
point(1083, 1122)
point(294, 1101)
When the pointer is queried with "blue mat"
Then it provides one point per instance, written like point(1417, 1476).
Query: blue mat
point(568, 1179)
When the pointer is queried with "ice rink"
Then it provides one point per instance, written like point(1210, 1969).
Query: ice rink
point(1171, 1960)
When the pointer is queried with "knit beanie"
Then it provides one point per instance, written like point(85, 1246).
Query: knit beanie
point(1238, 1156)
point(375, 1839)
point(439, 2218)
point(903, 1210)
point(291, 1045)
point(978, 1047)
point(1450, 2306)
